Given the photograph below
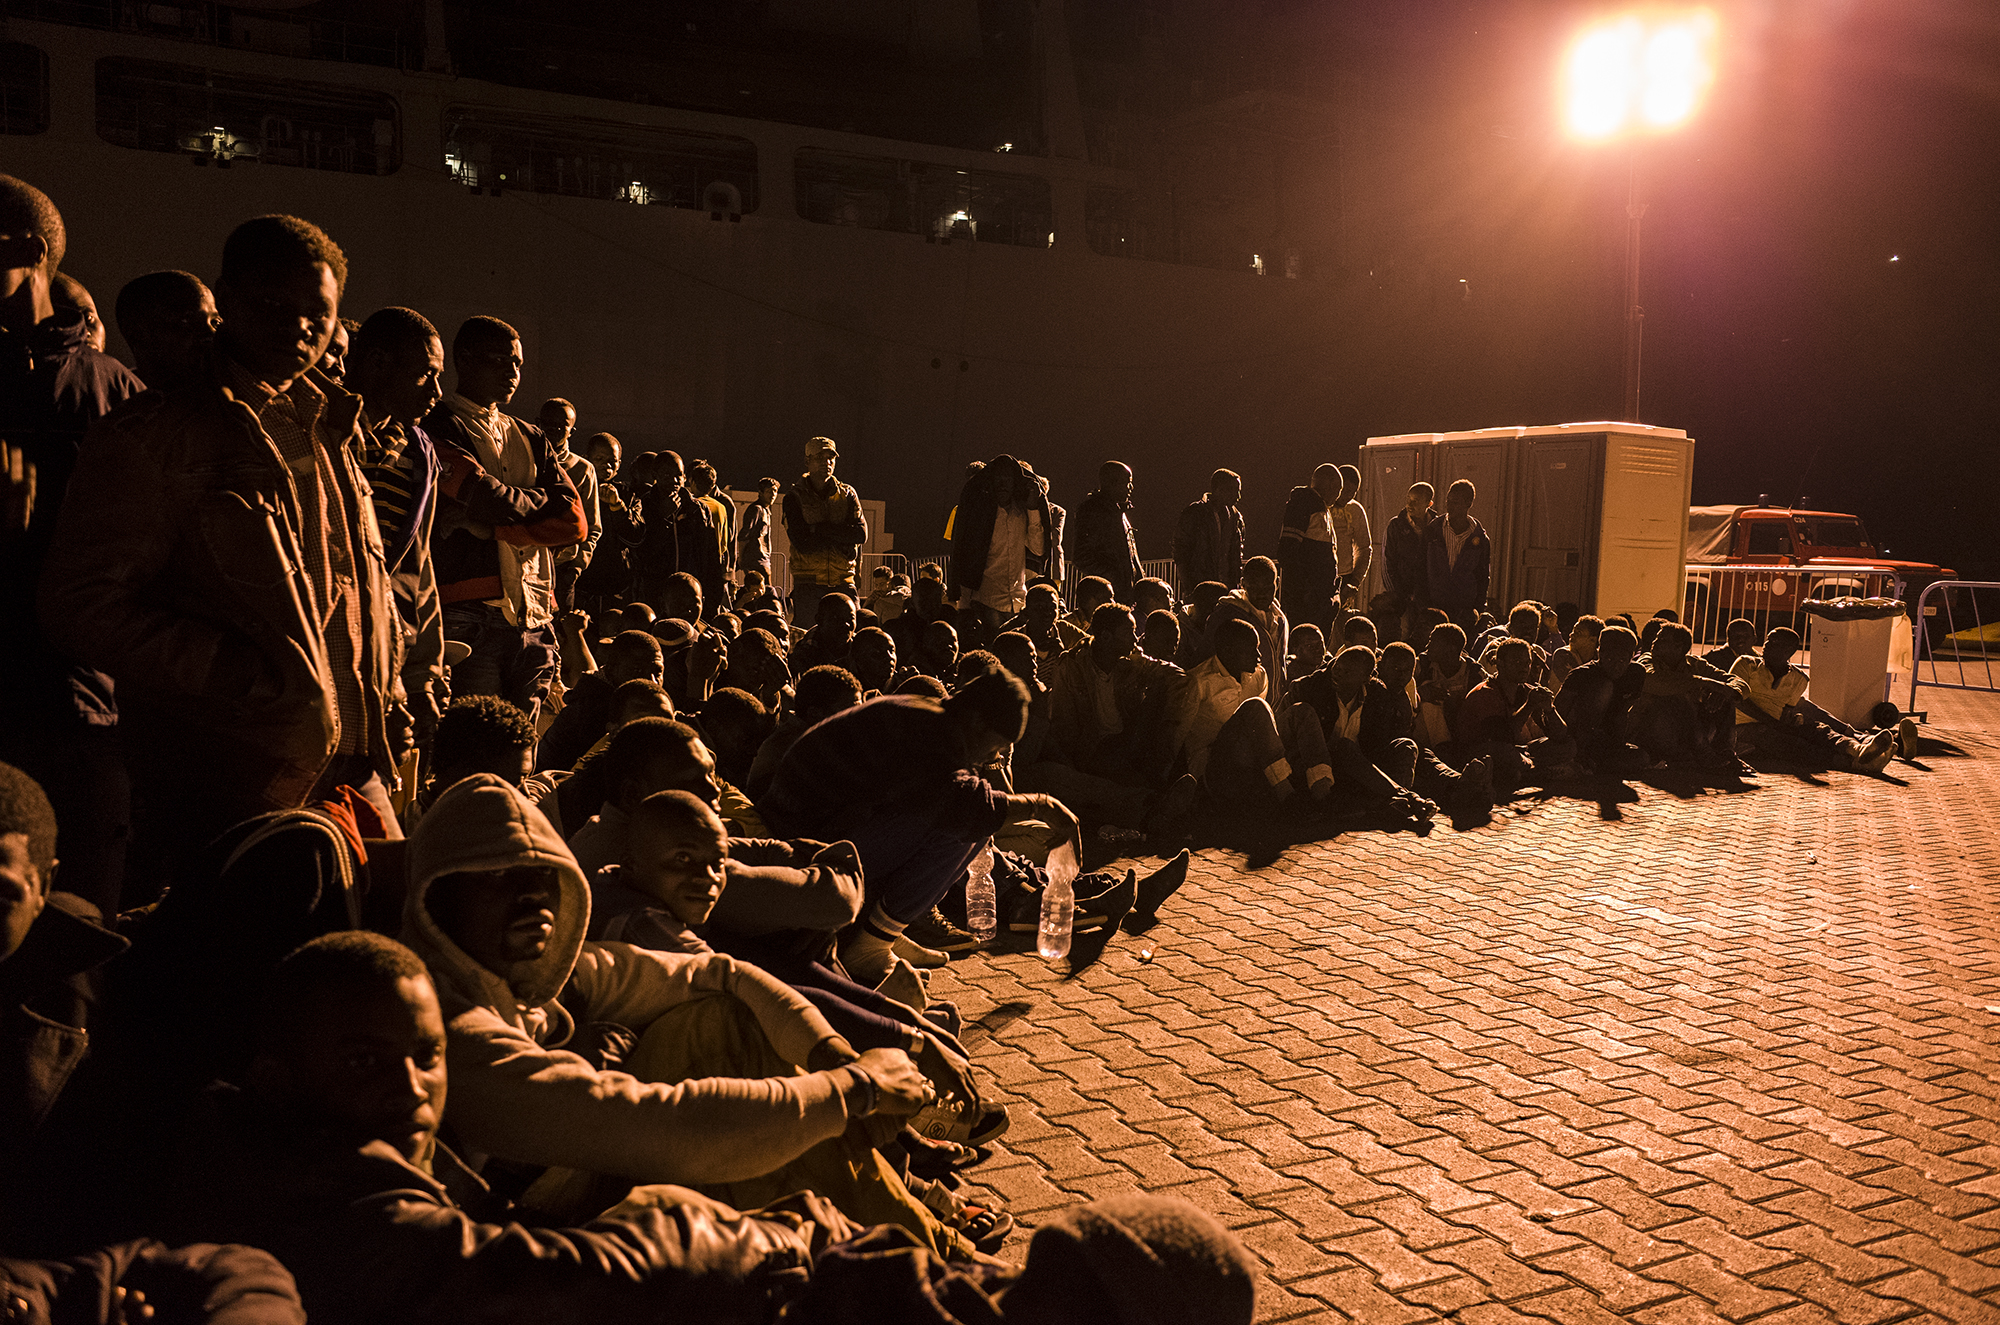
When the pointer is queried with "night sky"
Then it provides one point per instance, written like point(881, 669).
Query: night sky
point(1779, 332)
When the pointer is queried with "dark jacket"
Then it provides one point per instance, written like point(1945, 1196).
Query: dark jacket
point(1403, 564)
point(374, 1239)
point(219, 1285)
point(1208, 545)
point(1307, 563)
point(895, 756)
point(47, 995)
point(753, 540)
point(1105, 545)
point(585, 717)
point(546, 513)
point(1462, 587)
point(53, 387)
point(406, 549)
point(972, 523)
point(1147, 693)
point(176, 565)
point(678, 534)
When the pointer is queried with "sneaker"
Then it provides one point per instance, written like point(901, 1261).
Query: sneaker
point(934, 931)
point(919, 956)
point(1906, 738)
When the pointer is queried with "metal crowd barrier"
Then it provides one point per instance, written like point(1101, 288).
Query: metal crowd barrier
point(1970, 650)
point(1771, 596)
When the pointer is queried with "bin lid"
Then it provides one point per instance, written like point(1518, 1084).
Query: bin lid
point(1854, 609)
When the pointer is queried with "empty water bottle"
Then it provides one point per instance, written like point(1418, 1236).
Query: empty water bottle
point(982, 908)
point(1058, 904)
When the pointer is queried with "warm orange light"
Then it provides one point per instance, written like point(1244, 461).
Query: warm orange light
point(1642, 71)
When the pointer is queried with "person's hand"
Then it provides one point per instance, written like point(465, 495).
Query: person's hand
point(1057, 824)
point(426, 702)
point(17, 490)
point(903, 1088)
point(128, 1306)
point(576, 619)
point(949, 1073)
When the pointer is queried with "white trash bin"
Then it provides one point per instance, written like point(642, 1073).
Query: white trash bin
point(1849, 674)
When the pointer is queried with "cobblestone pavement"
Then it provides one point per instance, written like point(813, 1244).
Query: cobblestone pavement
point(1718, 1056)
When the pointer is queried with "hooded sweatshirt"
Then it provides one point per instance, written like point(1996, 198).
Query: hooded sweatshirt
point(517, 1094)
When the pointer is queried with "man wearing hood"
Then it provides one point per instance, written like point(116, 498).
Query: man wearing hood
point(498, 910)
point(329, 1156)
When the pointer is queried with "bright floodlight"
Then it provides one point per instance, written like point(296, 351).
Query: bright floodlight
point(1646, 72)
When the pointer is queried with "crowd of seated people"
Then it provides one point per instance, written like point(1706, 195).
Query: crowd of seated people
point(387, 743)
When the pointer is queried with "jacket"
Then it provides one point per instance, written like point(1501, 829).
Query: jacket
point(406, 549)
point(47, 994)
point(1403, 562)
point(480, 513)
point(1105, 544)
point(1274, 637)
point(1305, 545)
point(972, 523)
point(826, 533)
point(218, 1285)
point(374, 1238)
point(516, 1094)
point(896, 756)
point(53, 387)
point(677, 533)
point(1208, 545)
point(176, 564)
point(1147, 693)
point(1461, 587)
point(582, 476)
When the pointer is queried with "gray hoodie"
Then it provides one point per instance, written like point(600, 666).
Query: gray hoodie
point(517, 1095)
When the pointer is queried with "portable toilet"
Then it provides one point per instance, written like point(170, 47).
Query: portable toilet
point(1589, 513)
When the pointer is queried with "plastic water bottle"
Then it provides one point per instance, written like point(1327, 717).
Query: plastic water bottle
point(982, 907)
point(1058, 904)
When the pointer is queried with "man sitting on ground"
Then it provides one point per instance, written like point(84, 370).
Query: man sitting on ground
point(1596, 701)
point(497, 908)
point(1742, 643)
point(1515, 722)
point(820, 693)
point(1388, 738)
point(1445, 676)
point(831, 637)
point(895, 777)
point(1686, 709)
point(1244, 754)
point(1579, 651)
point(1341, 693)
point(1038, 620)
point(329, 1156)
point(1776, 718)
point(633, 655)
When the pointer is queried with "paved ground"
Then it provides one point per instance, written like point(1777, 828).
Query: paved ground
point(1721, 1056)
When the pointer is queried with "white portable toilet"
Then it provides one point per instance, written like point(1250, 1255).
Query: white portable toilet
point(1589, 513)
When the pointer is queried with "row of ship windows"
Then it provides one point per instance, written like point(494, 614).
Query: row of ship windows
point(226, 119)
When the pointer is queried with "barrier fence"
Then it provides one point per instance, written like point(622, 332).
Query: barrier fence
point(1958, 636)
point(1771, 596)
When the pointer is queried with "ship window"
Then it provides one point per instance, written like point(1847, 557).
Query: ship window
point(227, 119)
point(922, 198)
point(1770, 538)
point(24, 88)
point(580, 158)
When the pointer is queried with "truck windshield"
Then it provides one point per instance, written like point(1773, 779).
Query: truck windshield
point(1770, 538)
point(1837, 531)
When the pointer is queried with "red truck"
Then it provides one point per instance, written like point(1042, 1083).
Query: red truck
point(1763, 562)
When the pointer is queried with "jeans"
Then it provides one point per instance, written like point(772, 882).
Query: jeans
point(510, 661)
point(1257, 752)
point(908, 863)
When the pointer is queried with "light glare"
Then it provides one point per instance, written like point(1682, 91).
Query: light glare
point(1635, 72)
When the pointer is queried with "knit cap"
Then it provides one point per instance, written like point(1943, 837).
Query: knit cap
point(1133, 1260)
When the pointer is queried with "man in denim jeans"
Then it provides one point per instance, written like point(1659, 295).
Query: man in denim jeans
point(504, 506)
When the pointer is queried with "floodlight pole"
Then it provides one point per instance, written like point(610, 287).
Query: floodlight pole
point(1635, 316)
